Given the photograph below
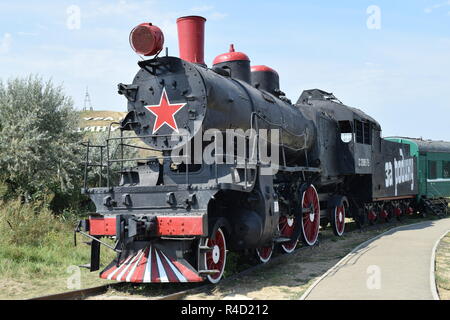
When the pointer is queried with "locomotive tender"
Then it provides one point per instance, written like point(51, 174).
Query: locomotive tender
point(174, 219)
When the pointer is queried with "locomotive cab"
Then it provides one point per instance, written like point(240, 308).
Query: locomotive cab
point(349, 132)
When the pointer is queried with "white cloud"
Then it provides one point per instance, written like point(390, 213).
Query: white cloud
point(202, 9)
point(121, 8)
point(437, 6)
point(218, 16)
point(132, 11)
point(209, 12)
point(29, 34)
point(83, 63)
point(5, 43)
point(100, 69)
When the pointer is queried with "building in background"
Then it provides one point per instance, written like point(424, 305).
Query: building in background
point(99, 121)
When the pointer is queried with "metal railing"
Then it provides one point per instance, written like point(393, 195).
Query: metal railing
point(438, 194)
point(107, 159)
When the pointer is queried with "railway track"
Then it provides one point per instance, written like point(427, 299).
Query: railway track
point(178, 295)
point(95, 291)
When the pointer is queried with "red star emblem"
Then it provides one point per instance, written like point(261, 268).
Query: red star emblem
point(165, 112)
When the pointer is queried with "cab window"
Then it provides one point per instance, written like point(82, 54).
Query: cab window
point(432, 170)
point(446, 169)
point(346, 131)
point(363, 132)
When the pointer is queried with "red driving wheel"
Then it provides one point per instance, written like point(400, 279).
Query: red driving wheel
point(264, 254)
point(338, 220)
point(372, 216)
point(286, 226)
point(311, 216)
point(215, 258)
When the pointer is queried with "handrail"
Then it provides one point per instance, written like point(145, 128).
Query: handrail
point(112, 159)
point(437, 193)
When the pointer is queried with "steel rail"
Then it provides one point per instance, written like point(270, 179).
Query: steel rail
point(80, 294)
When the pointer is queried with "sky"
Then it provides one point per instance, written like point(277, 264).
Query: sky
point(389, 58)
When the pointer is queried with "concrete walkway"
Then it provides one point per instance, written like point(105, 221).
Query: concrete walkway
point(398, 265)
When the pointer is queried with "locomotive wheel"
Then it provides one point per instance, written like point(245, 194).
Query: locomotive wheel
point(398, 212)
point(264, 254)
point(338, 219)
point(372, 217)
point(286, 226)
point(215, 259)
point(360, 219)
point(386, 214)
point(311, 216)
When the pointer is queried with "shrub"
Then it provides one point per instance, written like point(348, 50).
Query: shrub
point(27, 223)
point(39, 146)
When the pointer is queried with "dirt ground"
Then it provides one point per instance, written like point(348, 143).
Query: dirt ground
point(32, 288)
point(286, 277)
point(290, 276)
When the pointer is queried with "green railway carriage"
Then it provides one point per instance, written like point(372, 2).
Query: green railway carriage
point(433, 170)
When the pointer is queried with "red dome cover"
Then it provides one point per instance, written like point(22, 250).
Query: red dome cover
point(231, 56)
point(263, 69)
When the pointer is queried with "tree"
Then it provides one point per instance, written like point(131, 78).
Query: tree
point(39, 145)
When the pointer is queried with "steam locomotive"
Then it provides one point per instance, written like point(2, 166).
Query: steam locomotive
point(175, 215)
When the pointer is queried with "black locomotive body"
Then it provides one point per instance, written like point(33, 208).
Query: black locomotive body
point(174, 215)
point(377, 175)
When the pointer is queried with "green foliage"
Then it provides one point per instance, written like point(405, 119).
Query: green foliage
point(40, 154)
point(36, 247)
point(27, 223)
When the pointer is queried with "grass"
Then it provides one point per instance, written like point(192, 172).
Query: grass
point(443, 268)
point(36, 250)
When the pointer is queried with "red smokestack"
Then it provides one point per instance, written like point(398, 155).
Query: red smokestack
point(191, 38)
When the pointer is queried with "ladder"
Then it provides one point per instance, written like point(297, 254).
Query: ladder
point(438, 206)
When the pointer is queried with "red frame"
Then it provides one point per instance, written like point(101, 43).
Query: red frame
point(167, 226)
point(180, 226)
point(102, 226)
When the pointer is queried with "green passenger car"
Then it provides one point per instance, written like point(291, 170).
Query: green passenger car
point(433, 172)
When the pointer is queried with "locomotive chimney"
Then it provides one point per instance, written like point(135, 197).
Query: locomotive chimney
point(191, 38)
point(237, 63)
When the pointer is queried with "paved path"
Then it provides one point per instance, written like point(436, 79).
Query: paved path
point(395, 266)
